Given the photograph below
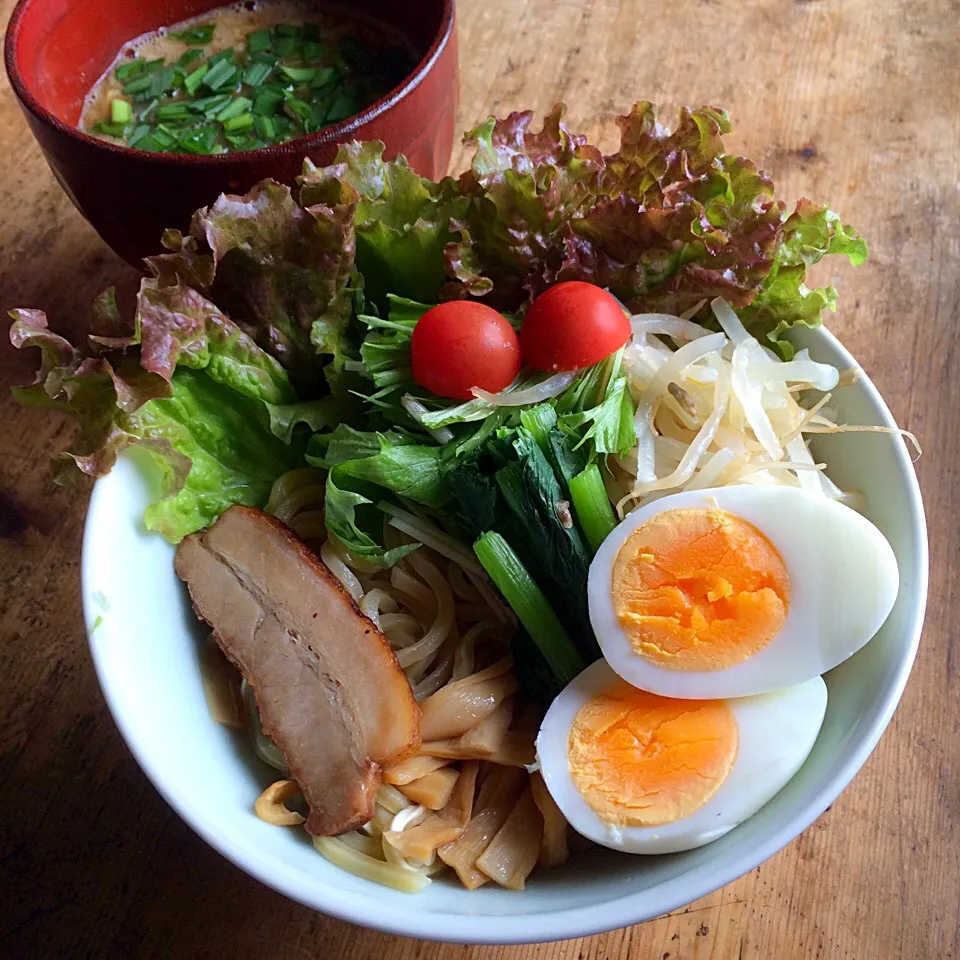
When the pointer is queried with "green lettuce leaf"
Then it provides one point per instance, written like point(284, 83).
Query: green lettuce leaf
point(363, 467)
point(402, 220)
point(284, 273)
point(809, 234)
point(392, 460)
point(668, 221)
point(232, 458)
point(524, 188)
point(182, 382)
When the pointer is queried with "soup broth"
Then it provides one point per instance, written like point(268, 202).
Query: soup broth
point(245, 76)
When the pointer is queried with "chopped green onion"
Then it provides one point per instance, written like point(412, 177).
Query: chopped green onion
point(234, 109)
point(312, 50)
point(150, 142)
point(299, 74)
point(138, 133)
point(202, 33)
point(221, 74)
point(289, 30)
point(152, 66)
point(138, 85)
point(260, 40)
point(189, 56)
point(529, 604)
point(265, 127)
point(173, 111)
point(346, 105)
point(111, 129)
point(267, 102)
point(120, 111)
point(256, 73)
point(193, 80)
point(223, 56)
point(297, 109)
point(129, 69)
point(591, 505)
point(287, 46)
point(162, 82)
point(206, 104)
point(235, 124)
point(199, 140)
point(324, 76)
point(164, 136)
point(148, 109)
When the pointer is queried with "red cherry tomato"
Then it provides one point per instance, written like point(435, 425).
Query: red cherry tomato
point(464, 344)
point(572, 325)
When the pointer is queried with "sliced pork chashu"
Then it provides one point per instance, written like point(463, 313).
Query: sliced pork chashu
point(329, 689)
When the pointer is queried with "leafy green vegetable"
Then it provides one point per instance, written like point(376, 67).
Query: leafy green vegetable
point(809, 234)
point(182, 382)
point(541, 518)
point(403, 221)
point(231, 457)
point(284, 272)
point(667, 221)
point(391, 460)
point(348, 516)
point(363, 464)
point(530, 606)
point(592, 506)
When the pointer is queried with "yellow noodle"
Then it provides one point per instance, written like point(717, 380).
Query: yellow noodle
point(287, 483)
point(363, 843)
point(271, 806)
point(345, 857)
point(424, 649)
point(336, 565)
point(297, 499)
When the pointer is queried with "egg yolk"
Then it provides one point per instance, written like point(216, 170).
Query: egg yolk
point(640, 760)
point(699, 589)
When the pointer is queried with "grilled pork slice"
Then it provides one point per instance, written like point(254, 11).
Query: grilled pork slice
point(329, 689)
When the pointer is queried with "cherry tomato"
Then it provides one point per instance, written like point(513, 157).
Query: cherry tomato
point(464, 344)
point(572, 325)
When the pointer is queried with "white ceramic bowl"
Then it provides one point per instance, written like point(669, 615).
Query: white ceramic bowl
point(143, 637)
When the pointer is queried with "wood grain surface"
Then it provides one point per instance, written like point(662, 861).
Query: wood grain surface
point(851, 101)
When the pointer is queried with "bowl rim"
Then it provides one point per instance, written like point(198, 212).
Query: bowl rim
point(331, 134)
point(591, 919)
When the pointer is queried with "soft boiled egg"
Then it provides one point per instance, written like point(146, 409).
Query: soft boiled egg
point(642, 773)
point(739, 590)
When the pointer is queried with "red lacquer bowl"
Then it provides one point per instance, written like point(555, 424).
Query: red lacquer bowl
point(56, 49)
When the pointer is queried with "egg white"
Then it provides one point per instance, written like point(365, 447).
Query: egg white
point(843, 584)
point(776, 734)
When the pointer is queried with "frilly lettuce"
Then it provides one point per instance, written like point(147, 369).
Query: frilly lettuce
point(288, 311)
point(184, 383)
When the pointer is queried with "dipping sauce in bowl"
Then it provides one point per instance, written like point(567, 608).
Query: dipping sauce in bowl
point(244, 77)
point(57, 51)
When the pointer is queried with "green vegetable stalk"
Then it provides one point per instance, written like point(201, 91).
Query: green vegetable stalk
point(592, 506)
point(530, 605)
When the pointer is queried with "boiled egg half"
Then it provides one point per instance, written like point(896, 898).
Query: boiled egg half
point(740, 590)
point(642, 773)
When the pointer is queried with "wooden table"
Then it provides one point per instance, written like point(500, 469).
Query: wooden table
point(853, 101)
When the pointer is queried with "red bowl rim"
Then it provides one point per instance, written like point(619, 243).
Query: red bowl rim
point(329, 134)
